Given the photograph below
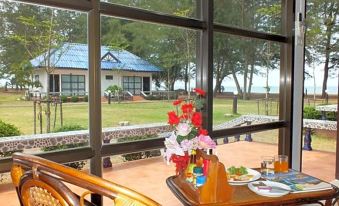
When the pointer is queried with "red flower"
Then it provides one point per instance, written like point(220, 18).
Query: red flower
point(177, 102)
point(199, 91)
point(173, 119)
point(187, 108)
point(184, 116)
point(196, 119)
point(203, 132)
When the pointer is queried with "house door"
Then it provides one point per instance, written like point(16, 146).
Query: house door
point(146, 87)
point(54, 83)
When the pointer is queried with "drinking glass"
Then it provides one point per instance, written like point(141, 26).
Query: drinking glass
point(281, 163)
point(267, 168)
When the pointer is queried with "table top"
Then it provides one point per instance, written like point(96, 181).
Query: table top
point(242, 195)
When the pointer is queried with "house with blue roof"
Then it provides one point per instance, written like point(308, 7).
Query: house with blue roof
point(70, 73)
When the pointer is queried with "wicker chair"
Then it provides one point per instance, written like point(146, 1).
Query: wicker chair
point(40, 182)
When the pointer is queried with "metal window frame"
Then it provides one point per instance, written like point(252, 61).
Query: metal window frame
point(206, 26)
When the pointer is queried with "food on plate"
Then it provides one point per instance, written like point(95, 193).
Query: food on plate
point(238, 174)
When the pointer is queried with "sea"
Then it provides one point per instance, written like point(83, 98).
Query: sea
point(275, 89)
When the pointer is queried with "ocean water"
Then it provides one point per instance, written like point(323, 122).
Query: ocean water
point(275, 89)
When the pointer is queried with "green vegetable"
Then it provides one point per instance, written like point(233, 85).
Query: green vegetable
point(237, 170)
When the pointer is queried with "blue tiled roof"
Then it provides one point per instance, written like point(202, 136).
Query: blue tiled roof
point(74, 55)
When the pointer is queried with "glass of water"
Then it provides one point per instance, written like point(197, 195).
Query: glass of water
point(267, 167)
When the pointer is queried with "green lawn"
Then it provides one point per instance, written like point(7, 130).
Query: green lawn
point(20, 113)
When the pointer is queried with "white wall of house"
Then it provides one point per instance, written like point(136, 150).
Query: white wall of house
point(117, 77)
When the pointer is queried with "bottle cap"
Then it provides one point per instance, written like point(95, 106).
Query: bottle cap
point(197, 170)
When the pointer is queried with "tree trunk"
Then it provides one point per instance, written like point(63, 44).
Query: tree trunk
point(49, 71)
point(244, 94)
point(250, 81)
point(236, 82)
point(327, 60)
point(186, 77)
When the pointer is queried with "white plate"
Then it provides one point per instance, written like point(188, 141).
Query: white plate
point(256, 176)
point(268, 193)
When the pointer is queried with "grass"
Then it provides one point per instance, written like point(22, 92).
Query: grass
point(20, 113)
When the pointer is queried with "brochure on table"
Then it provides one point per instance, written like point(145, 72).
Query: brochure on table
point(300, 182)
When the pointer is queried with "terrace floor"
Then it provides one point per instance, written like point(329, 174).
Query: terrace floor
point(149, 176)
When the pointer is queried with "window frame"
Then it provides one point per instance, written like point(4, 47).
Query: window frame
point(204, 50)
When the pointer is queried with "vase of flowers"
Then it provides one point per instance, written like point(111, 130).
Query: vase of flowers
point(188, 134)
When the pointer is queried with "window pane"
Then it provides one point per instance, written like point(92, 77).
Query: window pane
point(81, 78)
point(65, 78)
point(81, 86)
point(250, 14)
point(66, 85)
point(320, 90)
point(186, 8)
point(246, 81)
point(74, 78)
point(68, 26)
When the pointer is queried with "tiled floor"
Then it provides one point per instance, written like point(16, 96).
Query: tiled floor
point(149, 176)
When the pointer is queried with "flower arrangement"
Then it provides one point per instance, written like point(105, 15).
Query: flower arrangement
point(188, 134)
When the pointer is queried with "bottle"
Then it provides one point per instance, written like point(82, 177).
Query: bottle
point(206, 162)
point(197, 171)
point(190, 167)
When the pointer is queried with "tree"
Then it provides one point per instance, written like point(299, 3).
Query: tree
point(32, 31)
point(321, 41)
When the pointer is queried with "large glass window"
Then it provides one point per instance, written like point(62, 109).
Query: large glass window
point(73, 84)
point(255, 15)
point(132, 84)
point(185, 8)
point(246, 81)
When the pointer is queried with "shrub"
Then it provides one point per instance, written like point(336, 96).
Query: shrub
point(86, 98)
point(70, 127)
point(331, 116)
point(64, 98)
point(7, 130)
point(139, 155)
point(114, 88)
point(74, 99)
point(311, 113)
point(153, 97)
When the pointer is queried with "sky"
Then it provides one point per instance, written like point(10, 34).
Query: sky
point(259, 81)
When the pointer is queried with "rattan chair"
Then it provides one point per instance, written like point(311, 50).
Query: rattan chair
point(40, 182)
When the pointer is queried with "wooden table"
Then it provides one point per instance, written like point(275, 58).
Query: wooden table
point(244, 196)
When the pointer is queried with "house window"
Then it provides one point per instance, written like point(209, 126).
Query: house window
point(132, 84)
point(73, 84)
point(36, 78)
point(109, 77)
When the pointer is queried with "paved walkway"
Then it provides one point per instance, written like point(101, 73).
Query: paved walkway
point(148, 176)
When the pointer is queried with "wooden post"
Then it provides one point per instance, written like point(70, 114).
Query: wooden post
point(34, 110)
point(61, 116)
point(40, 117)
point(55, 112)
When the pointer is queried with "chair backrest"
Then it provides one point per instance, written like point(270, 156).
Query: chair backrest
point(40, 182)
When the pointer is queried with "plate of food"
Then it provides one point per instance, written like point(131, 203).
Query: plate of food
point(241, 175)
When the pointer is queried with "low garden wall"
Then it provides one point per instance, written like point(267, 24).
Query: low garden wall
point(23, 142)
